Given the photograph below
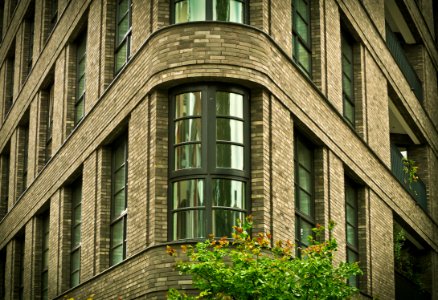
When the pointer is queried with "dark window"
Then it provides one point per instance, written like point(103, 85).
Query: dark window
point(13, 6)
point(352, 227)
point(9, 84)
point(28, 40)
point(19, 291)
point(45, 220)
point(2, 273)
point(123, 33)
point(119, 203)
point(4, 187)
point(304, 192)
point(76, 221)
point(50, 101)
point(201, 10)
point(80, 78)
point(23, 156)
point(301, 35)
point(209, 161)
point(53, 14)
point(348, 79)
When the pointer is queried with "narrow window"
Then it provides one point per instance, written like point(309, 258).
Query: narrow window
point(19, 261)
point(28, 41)
point(209, 161)
point(79, 105)
point(2, 273)
point(50, 101)
point(348, 79)
point(76, 220)
point(4, 187)
point(301, 35)
point(53, 14)
point(352, 228)
point(201, 10)
point(119, 205)
point(304, 193)
point(123, 33)
point(45, 256)
point(9, 84)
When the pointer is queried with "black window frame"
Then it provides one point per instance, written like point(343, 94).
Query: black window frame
point(352, 185)
point(121, 141)
point(209, 12)
point(25, 152)
point(20, 241)
point(45, 233)
point(80, 97)
point(300, 240)
point(9, 81)
point(75, 188)
point(208, 170)
point(127, 38)
point(297, 38)
point(349, 41)
point(49, 127)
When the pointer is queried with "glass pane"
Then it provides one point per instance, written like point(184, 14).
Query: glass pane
point(305, 231)
point(119, 203)
point(189, 11)
point(228, 10)
point(119, 179)
point(188, 156)
point(304, 155)
point(229, 193)
point(188, 193)
point(301, 7)
point(349, 111)
point(351, 256)
point(224, 220)
point(81, 67)
point(347, 68)
point(351, 215)
point(81, 86)
point(189, 224)
point(77, 214)
point(117, 233)
point(229, 130)
point(229, 104)
point(305, 203)
point(347, 87)
point(76, 236)
point(45, 260)
point(74, 279)
point(45, 281)
point(121, 56)
point(303, 56)
point(351, 235)
point(350, 195)
point(79, 110)
point(302, 29)
point(188, 130)
point(119, 155)
point(117, 255)
point(347, 50)
point(305, 179)
point(123, 28)
point(229, 156)
point(188, 104)
point(122, 7)
point(75, 260)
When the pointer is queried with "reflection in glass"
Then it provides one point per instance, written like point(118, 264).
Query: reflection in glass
point(121, 56)
point(116, 255)
point(302, 29)
point(187, 130)
point(303, 56)
point(229, 193)
point(305, 230)
point(224, 220)
point(189, 11)
point(229, 156)
point(188, 193)
point(188, 156)
point(228, 10)
point(229, 104)
point(229, 130)
point(305, 203)
point(188, 104)
point(189, 224)
point(117, 233)
point(305, 179)
point(351, 235)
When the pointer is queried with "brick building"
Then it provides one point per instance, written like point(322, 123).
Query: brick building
point(130, 125)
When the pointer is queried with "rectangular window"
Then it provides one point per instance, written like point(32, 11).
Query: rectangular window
point(123, 33)
point(53, 14)
point(19, 261)
point(348, 79)
point(301, 35)
point(4, 187)
point(2, 273)
point(28, 41)
point(202, 10)
point(76, 220)
point(79, 105)
point(304, 193)
point(9, 84)
point(352, 228)
point(50, 101)
point(119, 205)
point(45, 220)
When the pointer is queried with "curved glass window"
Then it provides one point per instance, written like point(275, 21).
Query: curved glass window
point(209, 161)
point(202, 10)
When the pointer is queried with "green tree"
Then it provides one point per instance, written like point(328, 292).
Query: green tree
point(250, 268)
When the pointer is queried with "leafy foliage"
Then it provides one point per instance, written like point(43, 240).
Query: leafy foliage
point(252, 268)
point(410, 169)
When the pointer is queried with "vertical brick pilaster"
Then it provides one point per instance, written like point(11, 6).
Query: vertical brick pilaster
point(4, 179)
point(160, 14)
point(28, 259)
point(317, 27)
point(64, 239)
point(260, 157)
point(282, 172)
point(364, 237)
point(69, 89)
point(141, 23)
point(108, 42)
point(33, 138)
point(9, 265)
point(323, 182)
point(137, 179)
point(60, 101)
point(35, 234)
point(259, 14)
point(54, 244)
point(281, 24)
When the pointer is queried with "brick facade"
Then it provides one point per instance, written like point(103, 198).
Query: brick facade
point(284, 103)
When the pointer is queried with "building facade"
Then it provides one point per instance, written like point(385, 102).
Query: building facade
point(129, 125)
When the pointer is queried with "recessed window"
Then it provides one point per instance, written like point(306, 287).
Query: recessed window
point(49, 122)
point(301, 35)
point(352, 227)
point(79, 105)
point(76, 221)
point(45, 256)
point(209, 161)
point(348, 79)
point(4, 180)
point(9, 83)
point(202, 10)
point(123, 33)
point(304, 192)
